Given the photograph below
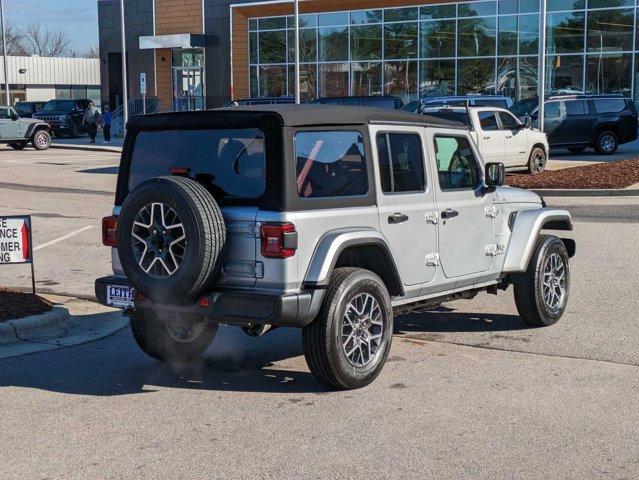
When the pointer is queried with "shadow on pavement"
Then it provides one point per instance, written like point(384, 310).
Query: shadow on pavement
point(234, 362)
point(101, 170)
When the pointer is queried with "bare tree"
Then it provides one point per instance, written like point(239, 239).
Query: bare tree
point(46, 42)
point(93, 51)
point(15, 41)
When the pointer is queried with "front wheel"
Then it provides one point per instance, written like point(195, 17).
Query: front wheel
point(541, 293)
point(346, 346)
point(172, 337)
point(537, 161)
point(41, 140)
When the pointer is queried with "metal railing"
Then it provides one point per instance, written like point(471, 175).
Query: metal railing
point(137, 106)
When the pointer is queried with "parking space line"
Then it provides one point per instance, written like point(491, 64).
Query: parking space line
point(63, 238)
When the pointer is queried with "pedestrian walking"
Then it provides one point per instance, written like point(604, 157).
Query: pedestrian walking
point(107, 119)
point(91, 120)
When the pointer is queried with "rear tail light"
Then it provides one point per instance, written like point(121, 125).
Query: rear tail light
point(279, 240)
point(179, 171)
point(110, 231)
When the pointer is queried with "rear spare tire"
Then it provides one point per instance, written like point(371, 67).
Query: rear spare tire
point(170, 236)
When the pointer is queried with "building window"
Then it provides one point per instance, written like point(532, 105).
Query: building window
point(400, 40)
point(437, 78)
point(437, 39)
point(476, 37)
point(609, 73)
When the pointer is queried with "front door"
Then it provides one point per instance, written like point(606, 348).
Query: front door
point(406, 203)
point(516, 143)
point(7, 124)
point(466, 236)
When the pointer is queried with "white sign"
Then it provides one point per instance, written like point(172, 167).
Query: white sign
point(15, 240)
point(143, 83)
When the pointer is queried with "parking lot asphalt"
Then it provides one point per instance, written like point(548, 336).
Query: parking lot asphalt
point(469, 391)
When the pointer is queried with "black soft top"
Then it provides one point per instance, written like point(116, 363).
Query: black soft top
point(269, 116)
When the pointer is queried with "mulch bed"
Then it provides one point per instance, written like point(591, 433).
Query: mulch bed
point(619, 174)
point(14, 304)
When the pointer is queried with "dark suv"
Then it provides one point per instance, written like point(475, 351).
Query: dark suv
point(379, 101)
point(64, 116)
point(577, 122)
point(28, 109)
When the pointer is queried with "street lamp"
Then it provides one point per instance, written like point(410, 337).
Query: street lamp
point(5, 59)
point(125, 93)
point(297, 52)
point(542, 64)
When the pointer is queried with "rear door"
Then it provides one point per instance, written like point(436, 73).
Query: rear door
point(406, 202)
point(492, 138)
point(577, 125)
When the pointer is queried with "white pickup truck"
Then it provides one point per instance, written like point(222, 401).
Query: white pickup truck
point(500, 136)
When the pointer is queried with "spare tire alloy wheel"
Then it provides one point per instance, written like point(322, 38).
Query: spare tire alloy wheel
point(170, 235)
point(159, 240)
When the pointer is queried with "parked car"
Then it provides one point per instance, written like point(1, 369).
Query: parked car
point(501, 101)
point(500, 136)
point(380, 101)
point(327, 244)
point(260, 101)
point(577, 122)
point(64, 116)
point(28, 109)
point(19, 132)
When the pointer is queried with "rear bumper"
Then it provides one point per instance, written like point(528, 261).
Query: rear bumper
point(235, 307)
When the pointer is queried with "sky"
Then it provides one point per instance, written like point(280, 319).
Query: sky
point(79, 18)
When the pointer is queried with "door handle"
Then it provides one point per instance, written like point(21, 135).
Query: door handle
point(509, 136)
point(486, 137)
point(397, 218)
point(449, 213)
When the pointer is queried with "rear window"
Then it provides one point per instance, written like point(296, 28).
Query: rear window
point(330, 164)
point(610, 105)
point(450, 115)
point(380, 102)
point(230, 163)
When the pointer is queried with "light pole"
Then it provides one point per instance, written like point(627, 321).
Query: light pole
point(541, 86)
point(125, 93)
point(298, 95)
point(5, 57)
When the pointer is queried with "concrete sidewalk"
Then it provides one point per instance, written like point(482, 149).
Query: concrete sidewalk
point(82, 143)
point(70, 322)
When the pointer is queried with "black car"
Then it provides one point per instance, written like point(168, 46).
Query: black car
point(576, 122)
point(64, 116)
point(28, 109)
point(260, 101)
point(379, 101)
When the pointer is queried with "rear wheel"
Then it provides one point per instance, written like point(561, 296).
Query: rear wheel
point(541, 293)
point(18, 145)
point(536, 161)
point(607, 143)
point(41, 140)
point(172, 337)
point(576, 149)
point(346, 346)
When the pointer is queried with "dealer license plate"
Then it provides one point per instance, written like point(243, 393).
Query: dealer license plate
point(120, 296)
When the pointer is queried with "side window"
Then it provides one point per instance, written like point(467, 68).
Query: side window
point(488, 121)
point(610, 105)
point(456, 163)
point(330, 164)
point(401, 163)
point(551, 109)
point(508, 121)
point(576, 107)
point(4, 114)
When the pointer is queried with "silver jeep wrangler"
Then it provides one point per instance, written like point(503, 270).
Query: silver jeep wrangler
point(330, 219)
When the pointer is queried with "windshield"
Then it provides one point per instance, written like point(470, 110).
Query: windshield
point(59, 106)
point(523, 107)
point(229, 163)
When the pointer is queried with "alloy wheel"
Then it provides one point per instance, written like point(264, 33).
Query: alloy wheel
point(42, 140)
point(553, 282)
point(539, 161)
point(159, 240)
point(362, 330)
point(607, 143)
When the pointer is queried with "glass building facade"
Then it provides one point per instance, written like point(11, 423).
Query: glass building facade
point(483, 47)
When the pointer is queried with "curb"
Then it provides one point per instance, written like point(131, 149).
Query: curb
point(603, 192)
point(13, 331)
point(86, 148)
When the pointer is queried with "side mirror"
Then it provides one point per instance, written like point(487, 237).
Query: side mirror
point(495, 175)
point(522, 126)
point(528, 121)
point(15, 116)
